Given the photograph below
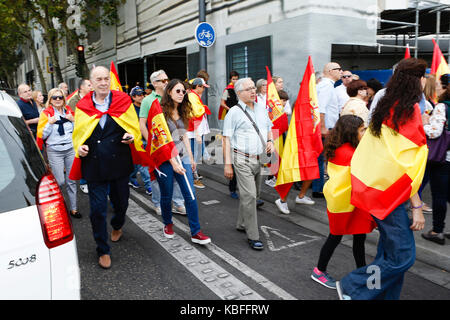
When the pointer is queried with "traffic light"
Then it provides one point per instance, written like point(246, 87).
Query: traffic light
point(80, 51)
point(81, 61)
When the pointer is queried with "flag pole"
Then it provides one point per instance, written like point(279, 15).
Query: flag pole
point(186, 178)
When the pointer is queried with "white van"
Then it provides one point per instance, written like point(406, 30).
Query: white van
point(38, 254)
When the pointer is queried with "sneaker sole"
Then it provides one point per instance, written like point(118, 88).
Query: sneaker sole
point(279, 209)
point(201, 241)
point(309, 204)
point(168, 236)
point(320, 282)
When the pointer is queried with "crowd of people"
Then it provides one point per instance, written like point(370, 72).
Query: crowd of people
point(99, 151)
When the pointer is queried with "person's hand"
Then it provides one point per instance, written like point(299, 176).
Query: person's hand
point(127, 138)
point(270, 148)
point(52, 120)
point(324, 132)
point(177, 167)
point(193, 164)
point(198, 138)
point(69, 117)
point(83, 150)
point(418, 222)
point(228, 171)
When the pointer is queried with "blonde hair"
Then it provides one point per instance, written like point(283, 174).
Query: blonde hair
point(50, 95)
point(34, 96)
point(430, 87)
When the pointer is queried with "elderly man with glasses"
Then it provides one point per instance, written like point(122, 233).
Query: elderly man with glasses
point(242, 146)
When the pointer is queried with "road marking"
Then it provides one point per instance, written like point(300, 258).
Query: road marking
point(249, 272)
point(213, 276)
point(210, 202)
point(292, 243)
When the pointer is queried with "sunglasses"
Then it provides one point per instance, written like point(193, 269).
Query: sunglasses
point(180, 91)
point(163, 80)
point(346, 76)
point(57, 97)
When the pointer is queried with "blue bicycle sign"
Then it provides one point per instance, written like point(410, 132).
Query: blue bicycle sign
point(205, 34)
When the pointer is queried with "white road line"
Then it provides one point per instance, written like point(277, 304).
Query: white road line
point(249, 272)
point(213, 276)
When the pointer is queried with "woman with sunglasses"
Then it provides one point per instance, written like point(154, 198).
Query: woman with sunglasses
point(356, 105)
point(177, 112)
point(55, 127)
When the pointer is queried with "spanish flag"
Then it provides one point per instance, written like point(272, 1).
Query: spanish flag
point(438, 65)
point(87, 117)
point(304, 141)
point(161, 147)
point(343, 217)
point(198, 110)
point(115, 82)
point(222, 110)
point(70, 96)
point(388, 170)
point(43, 120)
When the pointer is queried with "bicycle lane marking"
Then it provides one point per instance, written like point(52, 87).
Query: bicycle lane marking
point(225, 256)
point(213, 276)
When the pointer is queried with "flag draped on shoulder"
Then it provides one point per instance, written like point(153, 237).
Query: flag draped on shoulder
point(388, 170)
point(161, 146)
point(198, 110)
point(304, 141)
point(343, 217)
point(222, 110)
point(115, 82)
point(43, 120)
point(87, 117)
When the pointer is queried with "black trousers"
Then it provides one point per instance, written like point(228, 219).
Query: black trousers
point(232, 185)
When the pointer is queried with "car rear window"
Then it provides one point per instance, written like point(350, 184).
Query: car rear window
point(21, 165)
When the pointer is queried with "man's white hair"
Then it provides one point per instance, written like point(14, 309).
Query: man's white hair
point(239, 85)
point(155, 75)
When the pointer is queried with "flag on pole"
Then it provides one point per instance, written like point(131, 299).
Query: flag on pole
point(304, 141)
point(343, 217)
point(43, 120)
point(407, 52)
point(388, 170)
point(115, 82)
point(87, 117)
point(438, 65)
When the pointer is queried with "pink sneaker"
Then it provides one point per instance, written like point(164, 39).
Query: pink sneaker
point(323, 278)
point(168, 231)
point(200, 238)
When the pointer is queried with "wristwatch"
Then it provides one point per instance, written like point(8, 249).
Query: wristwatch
point(270, 140)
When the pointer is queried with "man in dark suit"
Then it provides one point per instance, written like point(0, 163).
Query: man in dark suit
point(106, 159)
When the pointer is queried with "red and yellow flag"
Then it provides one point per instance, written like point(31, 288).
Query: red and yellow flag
point(343, 217)
point(43, 120)
point(115, 82)
point(388, 170)
point(161, 146)
point(438, 65)
point(70, 96)
point(198, 110)
point(304, 141)
point(222, 110)
point(87, 117)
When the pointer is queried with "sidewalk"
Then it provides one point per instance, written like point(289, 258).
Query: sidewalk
point(315, 218)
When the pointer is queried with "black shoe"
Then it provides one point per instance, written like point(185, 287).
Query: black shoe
point(240, 229)
point(75, 214)
point(259, 203)
point(256, 244)
point(447, 235)
point(438, 237)
point(318, 195)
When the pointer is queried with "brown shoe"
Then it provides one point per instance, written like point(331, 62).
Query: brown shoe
point(105, 261)
point(116, 235)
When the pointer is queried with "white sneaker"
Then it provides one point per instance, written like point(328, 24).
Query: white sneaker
point(179, 210)
point(271, 182)
point(304, 200)
point(158, 210)
point(84, 188)
point(282, 206)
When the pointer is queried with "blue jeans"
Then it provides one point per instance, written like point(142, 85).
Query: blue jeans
point(145, 175)
point(166, 184)
point(197, 149)
point(177, 197)
point(383, 278)
point(317, 184)
point(119, 193)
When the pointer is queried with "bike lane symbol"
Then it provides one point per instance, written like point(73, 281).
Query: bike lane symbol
point(205, 34)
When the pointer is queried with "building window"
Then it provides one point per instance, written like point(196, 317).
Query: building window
point(250, 58)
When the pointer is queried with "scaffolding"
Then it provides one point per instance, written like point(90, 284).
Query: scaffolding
point(421, 12)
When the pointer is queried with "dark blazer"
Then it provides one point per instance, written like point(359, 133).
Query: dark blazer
point(108, 158)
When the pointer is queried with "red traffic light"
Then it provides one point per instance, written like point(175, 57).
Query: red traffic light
point(80, 48)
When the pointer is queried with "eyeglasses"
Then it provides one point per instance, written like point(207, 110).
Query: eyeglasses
point(180, 91)
point(57, 97)
point(163, 80)
point(346, 76)
point(249, 89)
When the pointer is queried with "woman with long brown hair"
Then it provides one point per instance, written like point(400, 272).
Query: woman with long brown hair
point(177, 111)
point(386, 171)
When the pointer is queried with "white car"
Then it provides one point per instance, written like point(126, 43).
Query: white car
point(38, 254)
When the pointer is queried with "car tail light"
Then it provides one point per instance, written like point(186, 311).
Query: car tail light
point(55, 221)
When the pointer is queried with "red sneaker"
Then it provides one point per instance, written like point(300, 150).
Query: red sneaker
point(168, 231)
point(200, 238)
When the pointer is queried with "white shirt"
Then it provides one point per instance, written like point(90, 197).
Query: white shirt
point(328, 102)
point(341, 92)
